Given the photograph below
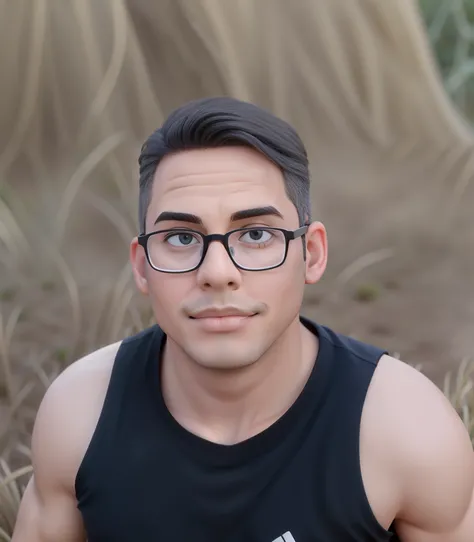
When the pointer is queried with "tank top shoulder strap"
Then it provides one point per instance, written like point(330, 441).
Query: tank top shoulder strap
point(355, 363)
point(130, 369)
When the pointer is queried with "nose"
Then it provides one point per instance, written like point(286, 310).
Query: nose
point(217, 271)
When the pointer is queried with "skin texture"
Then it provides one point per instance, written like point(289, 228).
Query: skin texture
point(416, 458)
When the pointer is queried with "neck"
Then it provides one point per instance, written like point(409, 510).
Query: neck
point(233, 405)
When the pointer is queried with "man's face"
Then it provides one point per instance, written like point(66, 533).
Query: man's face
point(213, 185)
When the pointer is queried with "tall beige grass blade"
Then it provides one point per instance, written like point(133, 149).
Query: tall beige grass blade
point(362, 263)
point(36, 367)
point(118, 316)
point(6, 335)
point(373, 93)
point(7, 481)
point(10, 231)
point(30, 87)
point(10, 496)
point(7, 428)
point(319, 90)
point(80, 175)
point(466, 369)
point(113, 214)
point(8, 510)
point(105, 83)
point(12, 478)
point(73, 292)
point(98, 329)
point(340, 61)
point(223, 50)
point(120, 302)
point(111, 75)
point(59, 107)
point(24, 450)
point(21, 396)
point(465, 178)
point(7, 239)
point(461, 393)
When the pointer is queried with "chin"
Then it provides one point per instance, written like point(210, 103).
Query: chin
point(223, 359)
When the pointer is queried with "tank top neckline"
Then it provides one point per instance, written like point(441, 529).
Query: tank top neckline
point(308, 401)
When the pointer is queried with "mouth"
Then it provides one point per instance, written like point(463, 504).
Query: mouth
point(222, 314)
point(222, 322)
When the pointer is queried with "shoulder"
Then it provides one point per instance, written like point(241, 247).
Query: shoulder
point(423, 449)
point(91, 372)
point(71, 406)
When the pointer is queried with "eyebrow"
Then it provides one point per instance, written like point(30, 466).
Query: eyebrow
point(178, 217)
point(268, 210)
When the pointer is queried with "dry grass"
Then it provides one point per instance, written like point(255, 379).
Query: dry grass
point(56, 301)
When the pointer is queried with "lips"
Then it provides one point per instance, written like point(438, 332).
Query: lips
point(221, 314)
point(221, 321)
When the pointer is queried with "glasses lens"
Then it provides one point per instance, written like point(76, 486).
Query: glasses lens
point(175, 250)
point(257, 248)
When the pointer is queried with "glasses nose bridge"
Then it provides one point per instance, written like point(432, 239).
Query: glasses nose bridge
point(217, 237)
point(222, 238)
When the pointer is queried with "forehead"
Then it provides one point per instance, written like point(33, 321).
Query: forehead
point(221, 180)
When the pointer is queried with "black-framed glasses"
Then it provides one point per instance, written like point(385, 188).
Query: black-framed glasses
point(181, 250)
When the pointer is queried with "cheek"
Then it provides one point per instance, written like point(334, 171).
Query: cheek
point(292, 283)
point(281, 287)
point(167, 293)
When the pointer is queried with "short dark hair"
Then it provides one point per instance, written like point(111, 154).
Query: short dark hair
point(222, 121)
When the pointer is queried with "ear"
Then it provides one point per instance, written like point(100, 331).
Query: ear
point(139, 264)
point(316, 252)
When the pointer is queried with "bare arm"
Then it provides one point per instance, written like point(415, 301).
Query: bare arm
point(434, 462)
point(48, 514)
point(457, 531)
point(48, 510)
point(64, 425)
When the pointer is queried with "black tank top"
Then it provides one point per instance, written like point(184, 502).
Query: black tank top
point(145, 478)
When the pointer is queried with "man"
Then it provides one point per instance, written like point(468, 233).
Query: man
point(236, 419)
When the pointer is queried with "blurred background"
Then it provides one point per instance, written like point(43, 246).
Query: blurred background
point(381, 92)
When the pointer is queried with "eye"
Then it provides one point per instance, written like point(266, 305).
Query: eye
point(181, 239)
point(256, 236)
